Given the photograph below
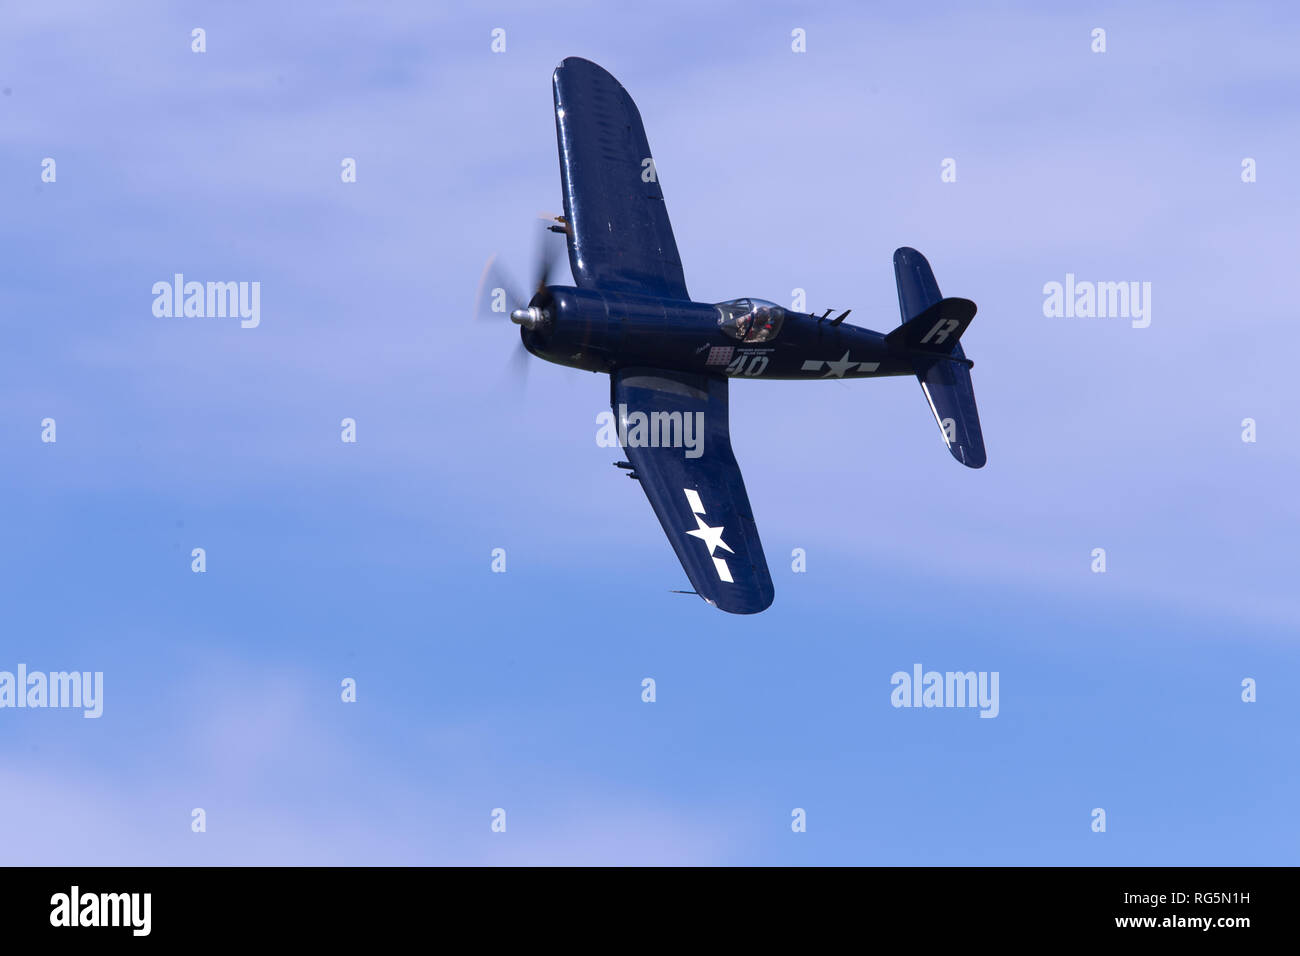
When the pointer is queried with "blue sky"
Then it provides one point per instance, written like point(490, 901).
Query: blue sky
point(523, 690)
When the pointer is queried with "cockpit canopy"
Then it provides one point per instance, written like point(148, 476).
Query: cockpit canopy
point(750, 320)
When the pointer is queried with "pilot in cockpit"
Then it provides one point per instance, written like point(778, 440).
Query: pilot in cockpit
point(762, 323)
point(750, 320)
point(743, 324)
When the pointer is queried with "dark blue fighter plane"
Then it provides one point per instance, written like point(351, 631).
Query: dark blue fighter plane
point(669, 358)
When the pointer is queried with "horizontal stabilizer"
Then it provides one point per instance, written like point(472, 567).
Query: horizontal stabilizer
point(930, 333)
point(951, 395)
point(917, 289)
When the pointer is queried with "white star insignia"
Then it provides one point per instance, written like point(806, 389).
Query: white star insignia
point(837, 369)
point(710, 536)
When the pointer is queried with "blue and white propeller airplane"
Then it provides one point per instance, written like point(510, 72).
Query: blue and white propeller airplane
point(669, 359)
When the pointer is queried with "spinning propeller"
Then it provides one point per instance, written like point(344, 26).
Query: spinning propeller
point(499, 295)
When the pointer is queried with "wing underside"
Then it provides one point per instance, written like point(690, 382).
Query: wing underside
point(693, 482)
point(620, 238)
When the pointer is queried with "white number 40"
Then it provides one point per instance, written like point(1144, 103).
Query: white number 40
point(747, 365)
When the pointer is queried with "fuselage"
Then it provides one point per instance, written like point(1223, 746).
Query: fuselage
point(604, 331)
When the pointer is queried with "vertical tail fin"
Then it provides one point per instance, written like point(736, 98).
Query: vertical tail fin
point(945, 382)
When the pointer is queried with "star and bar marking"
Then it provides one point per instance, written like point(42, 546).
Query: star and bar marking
point(838, 367)
point(712, 537)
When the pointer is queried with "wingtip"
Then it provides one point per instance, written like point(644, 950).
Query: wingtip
point(758, 607)
point(578, 61)
point(971, 458)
